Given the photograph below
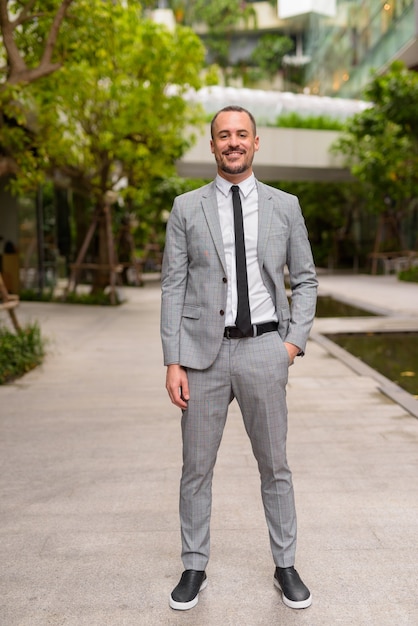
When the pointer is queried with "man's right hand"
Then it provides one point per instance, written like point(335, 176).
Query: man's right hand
point(177, 385)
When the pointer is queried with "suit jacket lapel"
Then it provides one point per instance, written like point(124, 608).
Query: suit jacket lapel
point(265, 211)
point(210, 209)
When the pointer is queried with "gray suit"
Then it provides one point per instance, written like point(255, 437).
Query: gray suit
point(194, 293)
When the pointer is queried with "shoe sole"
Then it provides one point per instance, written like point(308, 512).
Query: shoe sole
point(292, 604)
point(184, 606)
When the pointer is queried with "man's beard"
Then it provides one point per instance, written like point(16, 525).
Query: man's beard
point(234, 169)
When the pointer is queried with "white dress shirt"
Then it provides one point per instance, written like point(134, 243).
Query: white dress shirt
point(261, 304)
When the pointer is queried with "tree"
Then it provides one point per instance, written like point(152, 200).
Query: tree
point(269, 52)
point(36, 25)
point(222, 18)
point(331, 211)
point(46, 17)
point(381, 148)
point(112, 115)
point(399, 86)
point(118, 114)
point(115, 117)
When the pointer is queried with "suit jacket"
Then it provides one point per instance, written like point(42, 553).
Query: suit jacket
point(194, 278)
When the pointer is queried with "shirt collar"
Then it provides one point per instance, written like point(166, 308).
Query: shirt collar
point(246, 186)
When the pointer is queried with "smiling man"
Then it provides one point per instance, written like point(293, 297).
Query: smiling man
point(228, 332)
point(233, 146)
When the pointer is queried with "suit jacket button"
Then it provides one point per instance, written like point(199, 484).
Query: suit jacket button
point(221, 312)
point(225, 280)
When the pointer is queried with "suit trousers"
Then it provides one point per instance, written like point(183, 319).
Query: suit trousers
point(255, 372)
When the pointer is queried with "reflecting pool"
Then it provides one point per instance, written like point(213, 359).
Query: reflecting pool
point(328, 307)
point(395, 355)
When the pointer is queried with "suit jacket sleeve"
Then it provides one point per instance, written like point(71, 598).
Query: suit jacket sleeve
point(283, 242)
point(174, 283)
point(303, 282)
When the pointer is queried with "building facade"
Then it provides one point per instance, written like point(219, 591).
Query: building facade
point(362, 38)
point(337, 43)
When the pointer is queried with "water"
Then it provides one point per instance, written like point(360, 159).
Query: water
point(395, 355)
point(328, 307)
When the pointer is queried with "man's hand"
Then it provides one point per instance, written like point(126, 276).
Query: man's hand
point(177, 385)
point(292, 351)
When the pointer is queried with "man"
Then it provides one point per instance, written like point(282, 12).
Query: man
point(228, 332)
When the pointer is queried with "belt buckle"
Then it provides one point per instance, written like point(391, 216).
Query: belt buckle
point(227, 331)
point(254, 330)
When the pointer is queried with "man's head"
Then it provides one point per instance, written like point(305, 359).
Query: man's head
point(234, 142)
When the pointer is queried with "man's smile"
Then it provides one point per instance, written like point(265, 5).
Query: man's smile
point(234, 153)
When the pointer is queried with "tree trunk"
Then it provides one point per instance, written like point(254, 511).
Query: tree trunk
point(101, 277)
point(82, 213)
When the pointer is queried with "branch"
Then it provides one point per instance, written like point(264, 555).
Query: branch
point(19, 72)
point(54, 30)
point(15, 61)
point(32, 16)
point(24, 14)
point(31, 75)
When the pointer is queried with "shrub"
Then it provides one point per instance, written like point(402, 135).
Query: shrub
point(314, 122)
point(410, 275)
point(33, 295)
point(101, 298)
point(20, 352)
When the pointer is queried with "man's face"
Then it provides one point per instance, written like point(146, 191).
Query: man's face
point(234, 145)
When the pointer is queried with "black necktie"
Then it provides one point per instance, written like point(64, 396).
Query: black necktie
point(243, 320)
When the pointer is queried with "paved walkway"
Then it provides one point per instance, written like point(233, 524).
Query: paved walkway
point(90, 463)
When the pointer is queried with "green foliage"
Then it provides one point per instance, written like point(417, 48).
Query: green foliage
point(113, 116)
point(382, 157)
point(20, 352)
point(152, 213)
point(330, 211)
point(114, 111)
point(120, 116)
point(97, 299)
point(33, 295)
point(410, 275)
point(222, 18)
point(19, 146)
point(319, 122)
point(398, 86)
point(30, 37)
point(28, 34)
point(269, 52)
point(380, 145)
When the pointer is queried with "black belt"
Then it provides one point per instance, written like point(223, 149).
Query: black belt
point(232, 332)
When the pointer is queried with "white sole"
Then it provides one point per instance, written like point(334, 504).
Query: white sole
point(184, 606)
point(303, 604)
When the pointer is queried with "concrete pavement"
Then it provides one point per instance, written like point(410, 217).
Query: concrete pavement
point(90, 462)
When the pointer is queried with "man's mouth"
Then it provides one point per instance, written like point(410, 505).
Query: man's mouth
point(234, 153)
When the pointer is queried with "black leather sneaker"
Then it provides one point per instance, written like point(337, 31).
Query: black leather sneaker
point(186, 594)
point(295, 593)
